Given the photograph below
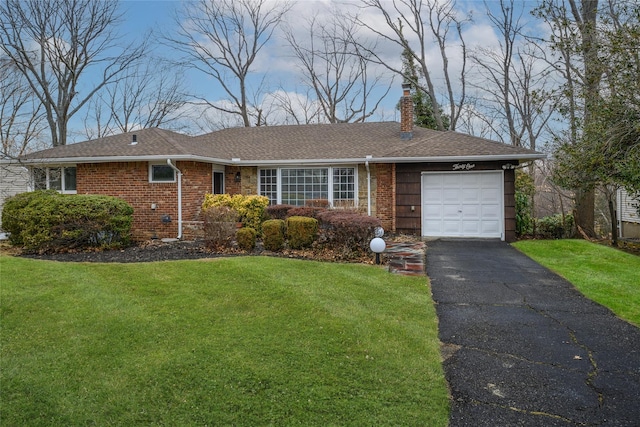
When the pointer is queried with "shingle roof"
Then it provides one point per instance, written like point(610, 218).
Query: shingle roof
point(303, 143)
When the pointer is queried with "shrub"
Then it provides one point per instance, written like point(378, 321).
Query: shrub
point(251, 209)
point(301, 231)
point(317, 203)
point(309, 211)
point(219, 226)
point(273, 234)
point(15, 215)
point(45, 221)
point(347, 231)
point(525, 190)
point(555, 226)
point(278, 211)
point(246, 238)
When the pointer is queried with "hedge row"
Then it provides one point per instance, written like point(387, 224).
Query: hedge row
point(46, 221)
point(346, 232)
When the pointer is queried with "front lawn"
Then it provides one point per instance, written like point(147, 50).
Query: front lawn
point(605, 275)
point(237, 341)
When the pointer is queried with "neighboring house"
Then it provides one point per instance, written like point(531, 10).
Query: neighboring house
point(415, 180)
point(14, 179)
point(628, 218)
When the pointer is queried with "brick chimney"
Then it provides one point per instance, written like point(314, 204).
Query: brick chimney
point(406, 113)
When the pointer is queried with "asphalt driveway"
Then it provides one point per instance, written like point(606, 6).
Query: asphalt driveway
point(522, 347)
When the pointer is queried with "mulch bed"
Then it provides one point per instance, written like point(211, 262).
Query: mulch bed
point(157, 250)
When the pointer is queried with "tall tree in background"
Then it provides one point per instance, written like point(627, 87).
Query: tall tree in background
point(21, 113)
point(422, 105)
point(441, 19)
point(151, 94)
point(55, 43)
point(575, 44)
point(513, 86)
point(222, 39)
point(340, 77)
point(607, 154)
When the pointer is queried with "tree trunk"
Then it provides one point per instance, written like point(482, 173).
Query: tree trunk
point(583, 216)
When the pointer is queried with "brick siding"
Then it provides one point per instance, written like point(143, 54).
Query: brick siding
point(130, 181)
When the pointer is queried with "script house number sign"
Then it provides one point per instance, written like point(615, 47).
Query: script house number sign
point(463, 166)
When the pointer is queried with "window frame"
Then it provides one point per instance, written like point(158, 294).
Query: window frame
point(49, 179)
point(160, 164)
point(332, 187)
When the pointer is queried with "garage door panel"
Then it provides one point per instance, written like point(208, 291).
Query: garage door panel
point(470, 195)
point(490, 227)
point(471, 228)
point(461, 204)
point(451, 228)
point(490, 195)
point(432, 212)
point(432, 195)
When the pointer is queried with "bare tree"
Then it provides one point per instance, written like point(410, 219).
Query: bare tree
point(150, 94)
point(54, 43)
point(338, 72)
point(296, 107)
point(513, 84)
point(222, 39)
point(410, 32)
point(21, 116)
point(574, 43)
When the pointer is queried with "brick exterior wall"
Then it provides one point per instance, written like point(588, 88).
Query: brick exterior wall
point(385, 195)
point(130, 182)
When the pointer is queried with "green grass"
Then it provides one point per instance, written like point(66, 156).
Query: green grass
point(239, 341)
point(603, 274)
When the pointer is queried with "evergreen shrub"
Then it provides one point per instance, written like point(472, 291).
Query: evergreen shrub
point(46, 221)
point(555, 226)
point(273, 234)
point(246, 238)
point(301, 231)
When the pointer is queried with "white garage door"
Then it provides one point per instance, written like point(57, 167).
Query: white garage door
point(467, 204)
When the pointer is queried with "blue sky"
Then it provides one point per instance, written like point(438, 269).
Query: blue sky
point(143, 16)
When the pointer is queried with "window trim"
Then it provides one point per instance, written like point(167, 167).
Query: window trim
point(330, 183)
point(152, 181)
point(48, 180)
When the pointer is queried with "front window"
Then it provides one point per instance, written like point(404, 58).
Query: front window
point(269, 185)
point(62, 179)
point(300, 185)
point(296, 186)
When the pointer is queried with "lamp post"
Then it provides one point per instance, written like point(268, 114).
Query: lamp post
point(377, 244)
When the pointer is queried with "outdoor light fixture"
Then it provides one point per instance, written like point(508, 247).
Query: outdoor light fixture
point(377, 244)
point(238, 177)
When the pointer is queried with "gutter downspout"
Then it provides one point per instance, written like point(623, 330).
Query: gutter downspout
point(179, 197)
point(366, 164)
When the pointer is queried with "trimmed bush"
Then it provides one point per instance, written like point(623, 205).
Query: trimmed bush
point(347, 231)
point(45, 221)
point(309, 211)
point(273, 234)
point(251, 209)
point(278, 211)
point(246, 238)
point(555, 226)
point(301, 231)
point(219, 226)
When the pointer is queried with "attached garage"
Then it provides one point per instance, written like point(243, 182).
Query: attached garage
point(463, 204)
